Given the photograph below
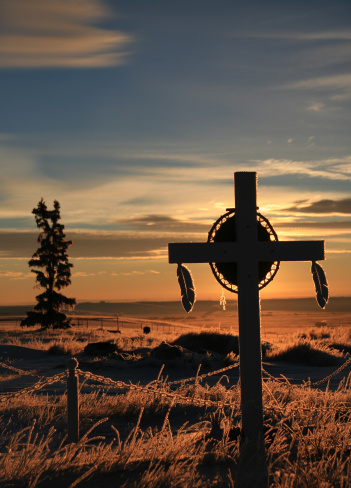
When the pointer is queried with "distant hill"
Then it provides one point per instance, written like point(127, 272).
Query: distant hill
point(336, 304)
point(156, 309)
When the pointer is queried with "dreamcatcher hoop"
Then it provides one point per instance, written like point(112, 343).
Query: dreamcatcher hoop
point(223, 230)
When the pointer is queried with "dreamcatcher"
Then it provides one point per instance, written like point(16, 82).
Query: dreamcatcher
point(224, 230)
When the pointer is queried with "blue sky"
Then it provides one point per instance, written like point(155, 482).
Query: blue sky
point(135, 115)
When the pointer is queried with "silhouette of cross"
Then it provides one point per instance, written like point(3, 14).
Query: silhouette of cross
point(247, 252)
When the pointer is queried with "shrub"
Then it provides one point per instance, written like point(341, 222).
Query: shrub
point(60, 349)
point(305, 353)
point(209, 341)
point(315, 335)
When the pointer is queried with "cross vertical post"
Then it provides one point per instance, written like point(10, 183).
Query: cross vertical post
point(249, 324)
point(249, 306)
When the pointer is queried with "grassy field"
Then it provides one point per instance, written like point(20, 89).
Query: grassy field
point(185, 434)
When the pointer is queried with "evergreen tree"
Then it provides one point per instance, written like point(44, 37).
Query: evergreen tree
point(54, 270)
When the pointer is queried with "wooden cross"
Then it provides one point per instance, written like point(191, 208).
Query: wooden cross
point(248, 252)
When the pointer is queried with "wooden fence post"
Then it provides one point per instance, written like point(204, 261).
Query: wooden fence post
point(72, 401)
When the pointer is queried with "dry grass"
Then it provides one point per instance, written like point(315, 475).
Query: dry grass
point(143, 439)
point(307, 438)
point(73, 341)
point(314, 347)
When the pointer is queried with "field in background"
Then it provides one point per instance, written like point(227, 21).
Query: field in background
point(273, 323)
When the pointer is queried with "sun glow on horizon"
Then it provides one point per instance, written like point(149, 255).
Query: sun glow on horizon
point(137, 130)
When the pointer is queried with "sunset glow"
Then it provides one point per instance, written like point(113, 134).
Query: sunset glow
point(135, 116)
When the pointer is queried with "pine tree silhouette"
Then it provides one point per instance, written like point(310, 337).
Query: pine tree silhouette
point(55, 272)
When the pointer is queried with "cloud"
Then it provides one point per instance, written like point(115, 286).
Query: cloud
point(316, 107)
point(335, 53)
point(58, 33)
point(130, 196)
point(15, 275)
point(162, 223)
point(322, 82)
point(332, 225)
point(338, 251)
point(329, 169)
point(317, 49)
point(82, 274)
point(324, 206)
point(134, 273)
point(336, 87)
point(336, 35)
point(125, 178)
point(93, 245)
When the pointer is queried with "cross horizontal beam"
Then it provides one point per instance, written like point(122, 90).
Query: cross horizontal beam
point(229, 252)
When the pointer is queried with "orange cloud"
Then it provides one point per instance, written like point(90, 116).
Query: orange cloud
point(15, 275)
point(58, 33)
point(325, 206)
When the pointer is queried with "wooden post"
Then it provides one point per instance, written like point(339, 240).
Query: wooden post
point(72, 401)
point(252, 466)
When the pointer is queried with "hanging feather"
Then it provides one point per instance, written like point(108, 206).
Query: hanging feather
point(187, 287)
point(321, 284)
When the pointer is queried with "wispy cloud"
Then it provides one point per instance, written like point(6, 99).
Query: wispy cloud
point(135, 273)
point(325, 206)
point(332, 225)
point(338, 251)
point(94, 245)
point(329, 35)
point(125, 183)
point(335, 53)
point(330, 169)
point(140, 192)
point(15, 275)
point(162, 223)
point(321, 82)
point(316, 107)
point(59, 33)
point(82, 274)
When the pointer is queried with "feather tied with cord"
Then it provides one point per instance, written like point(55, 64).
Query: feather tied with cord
point(187, 287)
point(320, 283)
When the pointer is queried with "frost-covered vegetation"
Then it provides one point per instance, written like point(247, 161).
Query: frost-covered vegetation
point(147, 439)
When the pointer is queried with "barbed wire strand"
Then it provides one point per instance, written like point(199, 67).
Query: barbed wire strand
point(205, 375)
point(130, 386)
point(20, 371)
point(61, 377)
point(316, 383)
point(330, 376)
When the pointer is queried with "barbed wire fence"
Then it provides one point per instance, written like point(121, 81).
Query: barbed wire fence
point(71, 376)
point(316, 383)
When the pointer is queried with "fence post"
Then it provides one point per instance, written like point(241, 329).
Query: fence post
point(72, 401)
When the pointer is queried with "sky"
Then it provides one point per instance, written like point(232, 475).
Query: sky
point(135, 115)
